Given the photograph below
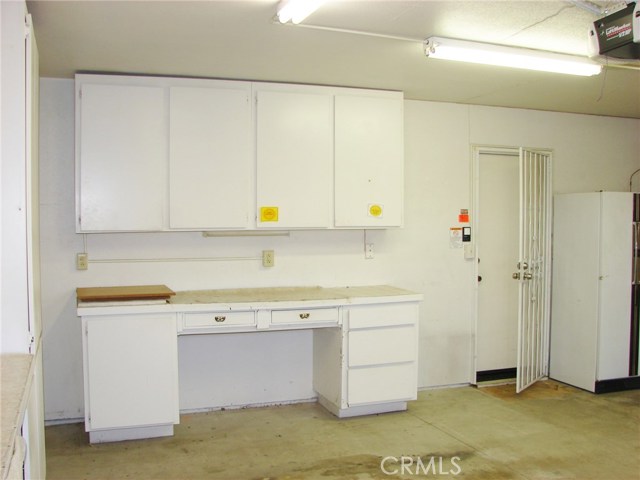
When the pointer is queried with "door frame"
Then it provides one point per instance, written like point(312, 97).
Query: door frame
point(476, 151)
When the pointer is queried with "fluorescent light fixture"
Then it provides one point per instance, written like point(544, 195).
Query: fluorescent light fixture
point(296, 10)
point(502, 56)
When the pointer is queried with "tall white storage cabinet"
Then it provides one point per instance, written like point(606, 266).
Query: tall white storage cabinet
point(593, 338)
point(20, 328)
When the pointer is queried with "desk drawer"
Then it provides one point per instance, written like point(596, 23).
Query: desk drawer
point(305, 316)
point(379, 346)
point(218, 319)
point(387, 383)
point(383, 315)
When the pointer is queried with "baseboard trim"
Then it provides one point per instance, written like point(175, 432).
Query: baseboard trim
point(493, 375)
point(617, 385)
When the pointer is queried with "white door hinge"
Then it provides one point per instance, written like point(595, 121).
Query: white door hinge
point(28, 25)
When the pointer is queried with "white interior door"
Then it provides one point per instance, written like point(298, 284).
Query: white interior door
point(533, 269)
point(497, 237)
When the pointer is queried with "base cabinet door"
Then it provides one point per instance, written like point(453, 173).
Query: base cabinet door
point(131, 371)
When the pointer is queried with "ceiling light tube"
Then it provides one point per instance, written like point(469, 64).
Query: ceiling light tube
point(296, 10)
point(503, 56)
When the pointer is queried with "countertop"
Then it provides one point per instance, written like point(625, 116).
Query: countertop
point(16, 371)
point(285, 294)
point(256, 298)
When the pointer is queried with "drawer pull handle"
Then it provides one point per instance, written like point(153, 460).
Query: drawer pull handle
point(304, 316)
point(220, 319)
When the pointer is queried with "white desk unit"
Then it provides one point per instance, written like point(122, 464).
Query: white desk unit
point(364, 350)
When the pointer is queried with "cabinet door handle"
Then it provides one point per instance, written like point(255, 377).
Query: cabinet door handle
point(220, 319)
point(304, 315)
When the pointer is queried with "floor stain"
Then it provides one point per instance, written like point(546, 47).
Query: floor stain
point(353, 467)
point(547, 389)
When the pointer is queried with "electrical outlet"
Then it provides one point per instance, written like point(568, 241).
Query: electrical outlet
point(268, 258)
point(368, 251)
point(82, 261)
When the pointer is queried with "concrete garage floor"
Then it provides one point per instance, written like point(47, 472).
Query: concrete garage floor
point(551, 431)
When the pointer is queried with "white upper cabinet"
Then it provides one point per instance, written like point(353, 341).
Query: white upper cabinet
point(294, 159)
point(122, 157)
point(210, 174)
point(369, 158)
point(163, 154)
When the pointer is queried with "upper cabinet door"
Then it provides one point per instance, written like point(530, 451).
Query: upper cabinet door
point(294, 159)
point(369, 159)
point(210, 142)
point(122, 158)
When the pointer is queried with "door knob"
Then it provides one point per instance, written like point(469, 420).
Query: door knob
point(479, 278)
point(527, 276)
point(516, 276)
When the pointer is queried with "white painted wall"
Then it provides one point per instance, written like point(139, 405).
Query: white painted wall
point(417, 257)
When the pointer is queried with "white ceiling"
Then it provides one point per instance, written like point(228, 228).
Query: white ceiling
point(239, 39)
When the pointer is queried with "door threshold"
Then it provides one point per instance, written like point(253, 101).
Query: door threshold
point(502, 376)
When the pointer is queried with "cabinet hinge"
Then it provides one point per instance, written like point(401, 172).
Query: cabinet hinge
point(28, 22)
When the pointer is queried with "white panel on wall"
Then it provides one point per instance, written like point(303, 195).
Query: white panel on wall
point(244, 364)
point(437, 169)
point(579, 144)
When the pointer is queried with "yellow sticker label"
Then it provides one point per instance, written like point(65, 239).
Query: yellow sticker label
point(268, 214)
point(375, 210)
